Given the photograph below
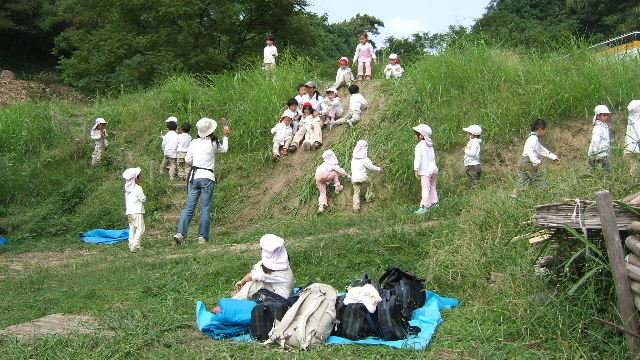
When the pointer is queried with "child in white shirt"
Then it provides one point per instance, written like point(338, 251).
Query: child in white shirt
point(393, 69)
point(184, 140)
point(331, 107)
point(170, 147)
point(364, 54)
point(134, 199)
point(425, 168)
point(99, 136)
point(312, 96)
point(302, 91)
point(270, 53)
point(632, 138)
point(292, 111)
point(282, 136)
point(529, 165)
point(357, 104)
point(344, 76)
point(329, 170)
point(310, 129)
point(360, 163)
point(600, 140)
point(472, 155)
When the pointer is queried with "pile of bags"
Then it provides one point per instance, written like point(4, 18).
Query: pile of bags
point(315, 312)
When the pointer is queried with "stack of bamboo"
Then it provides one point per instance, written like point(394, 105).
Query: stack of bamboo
point(580, 214)
point(633, 262)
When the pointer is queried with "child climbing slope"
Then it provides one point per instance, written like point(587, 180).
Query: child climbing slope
point(360, 163)
point(329, 170)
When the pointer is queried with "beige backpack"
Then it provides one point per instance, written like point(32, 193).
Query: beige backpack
point(309, 321)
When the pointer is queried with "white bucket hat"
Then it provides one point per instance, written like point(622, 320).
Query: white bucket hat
point(331, 89)
point(98, 122)
point(473, 129)
point(130, 176)
point(172, 119)
point(311, 84)
point(274, 254)
point(206, 127)
point(600, 109)
point(393, 56)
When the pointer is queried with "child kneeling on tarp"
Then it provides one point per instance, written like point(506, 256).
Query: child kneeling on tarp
point(272, 272)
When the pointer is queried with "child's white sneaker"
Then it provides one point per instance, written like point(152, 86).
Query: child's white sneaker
point(202, 240)
point(321, 208)
point(338, 188)
point(179, 239)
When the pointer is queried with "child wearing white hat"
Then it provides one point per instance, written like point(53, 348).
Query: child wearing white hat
point(357, 104)
point(331, 107)
point(329, 170)
point(424, 166)
point(472, 155)
point(600, 140)
point(360, 164)
point(272, 272)
point(344, 75)
point(393, 68)
point(632, 137)
point(170, 143)
point(134, 199)
point(99, 136)
point(282, 135)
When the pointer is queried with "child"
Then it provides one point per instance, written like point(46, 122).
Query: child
point(360, 163)
point(270, 53)
point(328, 171)
point(99, 136)
point(170, 147)
point(364, 54)
point(529, 165)
point(425, 168)
point(310, 129)
point(312, 96)
point(600, 140)
point(632, 138)
point(302, 91)
point(344, 76)
point(292, 111)
point(393, 69)
point(184, 140)
point(134, 199)
point(282, 136)
point(357, 103)
point(472, 155)
point(331, 107)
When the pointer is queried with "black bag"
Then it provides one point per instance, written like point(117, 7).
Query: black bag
point(391, 324)
point(403, 291)
point(414, 284)
point(271, 307)
point(354, 321)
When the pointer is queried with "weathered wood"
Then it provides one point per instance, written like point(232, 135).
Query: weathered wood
point(635, 227)
point(559, 215)
point(636, 301)
point(633, 259)
point(635, 287)
point(615, 251)
point(633, 244)
point(633, 272)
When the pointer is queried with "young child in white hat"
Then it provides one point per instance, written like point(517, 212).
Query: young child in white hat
point(600, 140)
point(134, 199)
point(329, 170)
point(170, 143)
point(393, 68)
point(360, 164)
point(99, 136)
point(632, 137)
point(424, 166)
point(472, 155)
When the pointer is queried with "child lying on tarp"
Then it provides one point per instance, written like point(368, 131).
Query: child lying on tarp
point(272, 272)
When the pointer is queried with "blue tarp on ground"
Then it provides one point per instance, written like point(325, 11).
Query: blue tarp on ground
point(233, 320)
point(426, 318)
point(101, 236)
point(3, 241)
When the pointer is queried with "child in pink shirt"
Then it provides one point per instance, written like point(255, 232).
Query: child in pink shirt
point(364, 54)
point(328, 171)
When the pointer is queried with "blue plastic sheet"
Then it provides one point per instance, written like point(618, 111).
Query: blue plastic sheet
point(3, 241)
point(233, 319)
point(101, 236)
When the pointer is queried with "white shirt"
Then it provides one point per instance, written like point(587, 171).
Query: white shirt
point(472, 152)
point(366, 45)
point(425, 159)
point(394, 68)
point(202, 154)
point(270, 53)
point(533, 148)
point(281, 281)
point(184, 140)
point(133, 201)
point(600, 141)
point(315, 103)
point(328, 103)
point(359, 169)
point(97, 136)
point(300, 102)
point(281, 132)
point(357, 102)
point(344, 74)
point(170, 144)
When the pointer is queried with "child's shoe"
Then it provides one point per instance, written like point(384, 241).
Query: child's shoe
point(360, 78)
point(368, 77)
point(179, 239)
point(331, 124)
point(306, 145)
point(285, 151)
point(338, 188)
point(317, 144)
point(421, 211)
point(350, 123)
point(321, 208)
point(202, 240)
point(293, 148)
point(275, 157)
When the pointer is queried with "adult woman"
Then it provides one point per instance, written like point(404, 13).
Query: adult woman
point(201, 178)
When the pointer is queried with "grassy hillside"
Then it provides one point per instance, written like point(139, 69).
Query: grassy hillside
point(147, 299)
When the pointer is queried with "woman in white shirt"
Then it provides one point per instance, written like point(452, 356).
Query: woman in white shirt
point(202, 181)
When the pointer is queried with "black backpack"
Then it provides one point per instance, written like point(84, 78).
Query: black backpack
point(271, 307)
point(412, 287)
point(391, 324)
point(354, 321)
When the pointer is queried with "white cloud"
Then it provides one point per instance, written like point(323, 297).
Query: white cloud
point(402, 27)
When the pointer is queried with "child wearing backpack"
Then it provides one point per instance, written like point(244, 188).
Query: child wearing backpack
point(272, 272)
point(329, 170)
point(134, 199)
point(170, 147)
point(425, 168)
point(184, 140)
point(360, 163)
point(99, 136)
point(472, 155)
point(600, 139)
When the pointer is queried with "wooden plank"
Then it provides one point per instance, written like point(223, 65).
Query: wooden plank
point(615, 251)
point(562, 214)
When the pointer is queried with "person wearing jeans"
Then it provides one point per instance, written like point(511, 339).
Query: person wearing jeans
point(201, 179)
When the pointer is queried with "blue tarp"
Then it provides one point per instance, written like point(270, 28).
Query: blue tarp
point(101, 236)
point(3, 241)
point(233, 319)
point(426, 318)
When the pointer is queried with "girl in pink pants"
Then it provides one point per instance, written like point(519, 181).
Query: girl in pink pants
point(364, 54)
point(425, 168)
point(329, 170)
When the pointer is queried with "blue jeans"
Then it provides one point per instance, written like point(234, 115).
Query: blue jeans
point(198, 188)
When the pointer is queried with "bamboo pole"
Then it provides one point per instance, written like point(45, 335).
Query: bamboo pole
point(633, 244)
point(615, 251)
point(634, 272)
point(635, 287)
point(633, 259)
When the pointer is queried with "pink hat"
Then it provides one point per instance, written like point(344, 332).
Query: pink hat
point(274, 255)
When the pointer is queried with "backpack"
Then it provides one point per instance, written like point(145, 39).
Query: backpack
point(309, 321)
point(391, 324)
point(354, 321)
point(403, 292)
point(271, 307)
point(413, 284)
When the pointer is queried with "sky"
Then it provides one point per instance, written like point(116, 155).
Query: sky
point(405, 17)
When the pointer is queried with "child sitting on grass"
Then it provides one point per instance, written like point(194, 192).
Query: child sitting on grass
point(99, 136)
point(184, 140)
point(360, 163)
point(472, 155)
point(357, 104)
point(529, 172)
point(302, 91)
point(600, 140)
point(424, 165)
point(310, 130)
point(134, 199)
point(393, 68)
point(344, 76)
point(282, 136)
point(329, 170)
point(292, 111)
point(331, 106)
point(170, 147)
